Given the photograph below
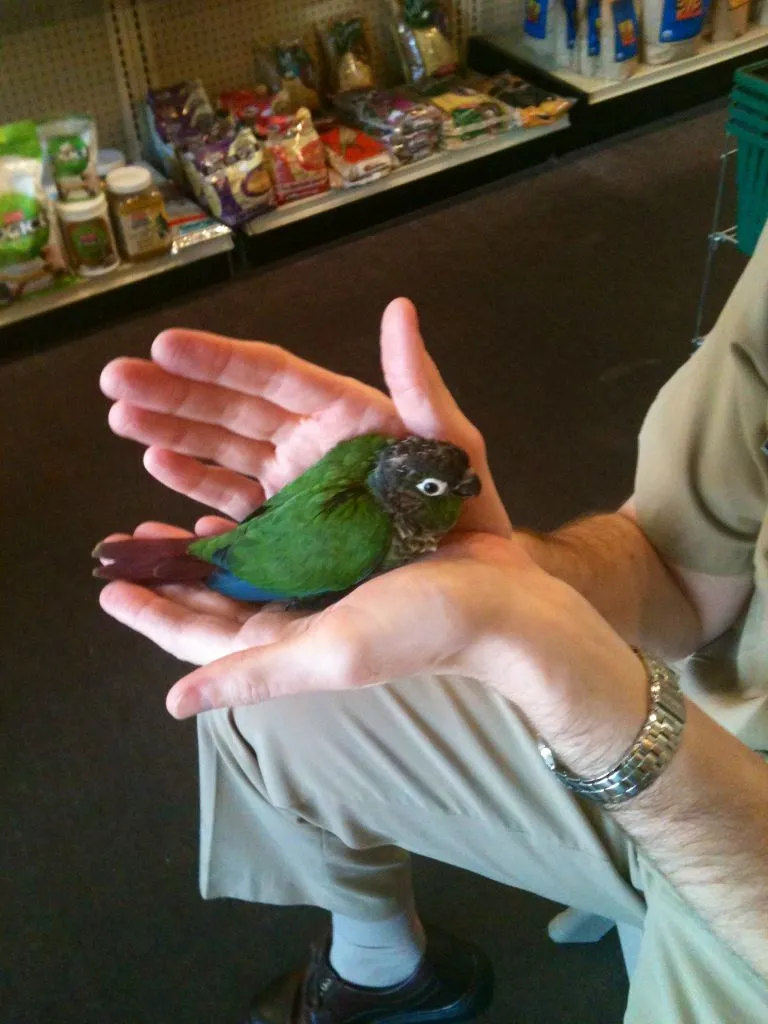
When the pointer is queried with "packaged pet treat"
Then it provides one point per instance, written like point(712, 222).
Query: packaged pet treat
point(423, 37)
point(409, 129)
point(231, 178)
point(469, 115)
point(355, 157)
point(347, 55)
point(296, 157)
point(298, 78)
point(251, 108)
point(176, 116)
point(31, 253)
point(70, 150)
point(671, 29)
point(532, 107)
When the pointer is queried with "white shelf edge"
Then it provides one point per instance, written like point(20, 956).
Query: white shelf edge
point(600, 89)
point(304, 208)
point(126, 274)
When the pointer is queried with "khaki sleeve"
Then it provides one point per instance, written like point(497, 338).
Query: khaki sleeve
point(701, 485)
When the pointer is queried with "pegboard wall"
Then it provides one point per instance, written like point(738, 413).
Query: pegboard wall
point(99, 56)
point(215, 41)
point(62, 58)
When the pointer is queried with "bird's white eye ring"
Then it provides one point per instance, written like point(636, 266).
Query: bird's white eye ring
point(432, 487)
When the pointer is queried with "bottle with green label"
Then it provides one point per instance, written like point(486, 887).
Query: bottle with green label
point(89, 236)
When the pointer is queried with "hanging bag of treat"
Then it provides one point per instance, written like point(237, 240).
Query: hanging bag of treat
point(422, 36)
point(346, 54)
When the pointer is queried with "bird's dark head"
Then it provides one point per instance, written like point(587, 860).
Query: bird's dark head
point(424, 481)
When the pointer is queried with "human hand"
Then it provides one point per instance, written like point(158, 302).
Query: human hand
point(479, 607)
point(262, 415)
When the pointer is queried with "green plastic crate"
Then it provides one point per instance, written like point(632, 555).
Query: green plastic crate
point(748, 122)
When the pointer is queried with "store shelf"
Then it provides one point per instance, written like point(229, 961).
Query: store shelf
point(125, 275)
point(598, 90)
point(292, 213)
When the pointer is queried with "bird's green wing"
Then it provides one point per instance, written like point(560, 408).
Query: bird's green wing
point(323, 540)
point(349, 462)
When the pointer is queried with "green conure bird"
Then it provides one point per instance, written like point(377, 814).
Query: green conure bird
point(369, 505)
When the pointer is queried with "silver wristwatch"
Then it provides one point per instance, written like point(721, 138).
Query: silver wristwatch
point(651, 752)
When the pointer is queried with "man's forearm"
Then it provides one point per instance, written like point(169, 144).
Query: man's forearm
point(703, 822)
point(608, 559)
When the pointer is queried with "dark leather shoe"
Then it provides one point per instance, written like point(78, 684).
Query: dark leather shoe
point(453, 982)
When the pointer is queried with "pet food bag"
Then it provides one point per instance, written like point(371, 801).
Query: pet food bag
point(31, 253)
point(470, 116)
point(347, 55)
point(551, 30)
point(296, 157)
point(409, 129)
point(609, 40)
point(230, 178)
point(422, 34)
point(727, 19)
point(532, 107)
point(354, 157)
point(671, 29)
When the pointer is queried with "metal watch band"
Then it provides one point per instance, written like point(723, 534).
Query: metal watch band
point(651, 752)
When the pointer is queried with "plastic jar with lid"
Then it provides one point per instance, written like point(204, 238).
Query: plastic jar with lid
point(108, 160)
point(88, 235)
point(139, 213)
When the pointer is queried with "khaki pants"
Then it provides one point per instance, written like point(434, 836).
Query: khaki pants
point(314, 799)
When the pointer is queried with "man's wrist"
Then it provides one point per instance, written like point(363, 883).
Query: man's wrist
point(587, 698)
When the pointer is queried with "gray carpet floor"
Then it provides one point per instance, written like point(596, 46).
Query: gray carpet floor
point(556, 303)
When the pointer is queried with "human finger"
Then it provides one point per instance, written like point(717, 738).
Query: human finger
point(223, 489)
point(253, 367)
point(190, 635)
point(209, 526)
point(427, 407)
point(201, 440)
point(316, 653)
point(421, 397)
point(145, 384)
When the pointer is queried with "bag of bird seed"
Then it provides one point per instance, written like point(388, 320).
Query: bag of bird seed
point(423, 37)
point(671, 29)
point(31, 254)
point(726, 20)
point(609, 41)
point(346, 54)
point(551, 30)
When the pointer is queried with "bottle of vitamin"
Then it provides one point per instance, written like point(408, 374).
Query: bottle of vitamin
point(138, 210)
point(88, 235)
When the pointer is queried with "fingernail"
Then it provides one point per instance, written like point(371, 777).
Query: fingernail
point(189, 703)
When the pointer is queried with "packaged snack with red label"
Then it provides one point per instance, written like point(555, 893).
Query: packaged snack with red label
point(355, 157)
point(296, 157)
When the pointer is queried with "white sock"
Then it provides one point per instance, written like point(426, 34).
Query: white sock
point(377, 954)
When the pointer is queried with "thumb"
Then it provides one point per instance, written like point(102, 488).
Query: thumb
point(423, 402)
point(324, 658)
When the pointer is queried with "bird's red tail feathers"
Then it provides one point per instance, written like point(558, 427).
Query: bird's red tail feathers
point(151, 560)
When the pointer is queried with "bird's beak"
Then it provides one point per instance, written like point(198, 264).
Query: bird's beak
point(468, 486)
